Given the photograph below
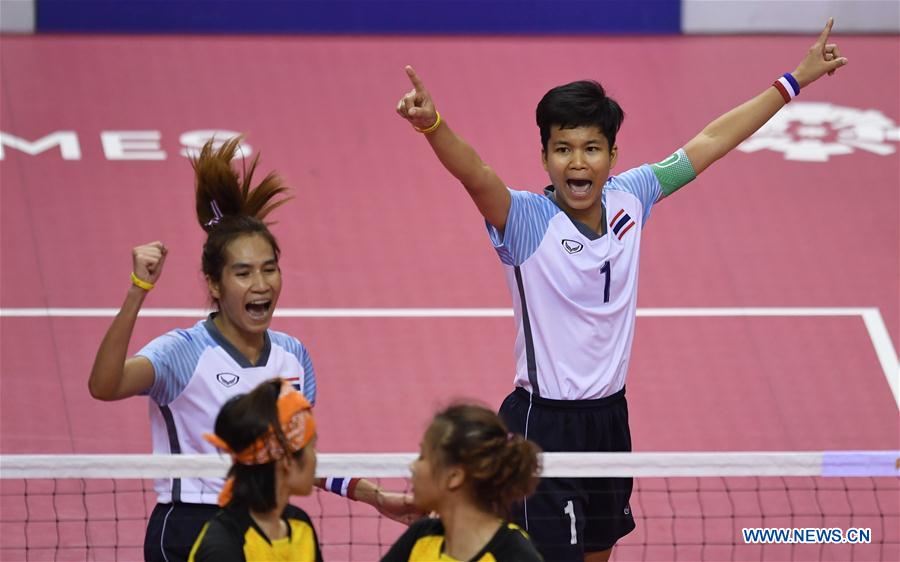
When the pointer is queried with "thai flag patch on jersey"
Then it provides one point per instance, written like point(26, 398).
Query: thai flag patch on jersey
point(295, 382)
point(621, 223)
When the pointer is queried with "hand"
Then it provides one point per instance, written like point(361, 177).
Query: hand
point(823, 57)
point(147, 261)
point(416, 106)
point(396, 506)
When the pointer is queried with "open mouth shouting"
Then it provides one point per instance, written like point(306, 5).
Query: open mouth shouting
point(579, 187)
point(258, 309)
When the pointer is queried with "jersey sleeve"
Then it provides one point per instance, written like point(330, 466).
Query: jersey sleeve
point(521, 547)
point(309, 378)
point(640, 182)
point(527, 222)
point(307, 386)
point(174, 357)
point(216, 544)
point(309, 374)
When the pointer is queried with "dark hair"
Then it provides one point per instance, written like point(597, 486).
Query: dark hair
point(241, 421)
point(579, 104)
point(500, 467)
point(241, 207)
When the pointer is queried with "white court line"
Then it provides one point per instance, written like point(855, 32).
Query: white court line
point(884, 347)
point(279, 312)
point(878, 333)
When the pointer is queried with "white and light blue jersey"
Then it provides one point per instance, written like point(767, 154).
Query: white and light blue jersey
point(574, 291)
point(197, 370)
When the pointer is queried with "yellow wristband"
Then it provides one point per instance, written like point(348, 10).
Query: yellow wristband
point(138, 282)
point(433, 128)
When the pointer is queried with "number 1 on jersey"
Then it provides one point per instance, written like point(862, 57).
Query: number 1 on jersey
point(605, 269)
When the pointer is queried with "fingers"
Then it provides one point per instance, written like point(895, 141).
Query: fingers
point(165, 252)
point(417, 106)
point(407, 104)
point(154, 250)
point(148, 260)
point(414, 78)
point(835, 64)
point(832, 55)
point(829, 54)
point(418, 95)
point(823, 57)
point(823, 37)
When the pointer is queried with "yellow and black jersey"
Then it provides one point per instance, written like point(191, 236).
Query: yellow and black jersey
point(233, 536)
point(424, 542)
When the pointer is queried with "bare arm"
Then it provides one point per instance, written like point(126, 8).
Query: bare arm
point(393, 505)
point(726, 132)
point(114, 377)
point(485, 187)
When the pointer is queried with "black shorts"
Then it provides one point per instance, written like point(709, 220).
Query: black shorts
point(567, 517)
point(173, 528)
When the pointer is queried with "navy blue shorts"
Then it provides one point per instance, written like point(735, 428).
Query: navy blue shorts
point(173, 528)
point(567, 517)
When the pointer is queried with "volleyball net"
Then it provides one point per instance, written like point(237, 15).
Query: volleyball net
point(687, 506)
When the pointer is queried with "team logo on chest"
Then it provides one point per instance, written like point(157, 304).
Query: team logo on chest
point(572, 246)
point(227, 379)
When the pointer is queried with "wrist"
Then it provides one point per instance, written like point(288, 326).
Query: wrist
point(801, 78)
point(136, 281)
point(136, 292)
point(352, 489)
point(134, 301)
point(788, 86)
point(346, 487)
point(433, 127)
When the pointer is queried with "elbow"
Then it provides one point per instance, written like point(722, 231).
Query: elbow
point(99, 393)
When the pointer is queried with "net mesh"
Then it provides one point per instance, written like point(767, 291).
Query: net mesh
point(687, 506)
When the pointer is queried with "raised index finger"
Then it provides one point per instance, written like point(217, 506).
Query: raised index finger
point(823, 37)
point(414, 78)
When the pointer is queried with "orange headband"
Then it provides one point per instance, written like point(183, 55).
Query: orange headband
point(297, 425)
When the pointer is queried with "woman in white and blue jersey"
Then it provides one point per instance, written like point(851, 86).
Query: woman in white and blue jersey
point(190, 373)
point(571, 260)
